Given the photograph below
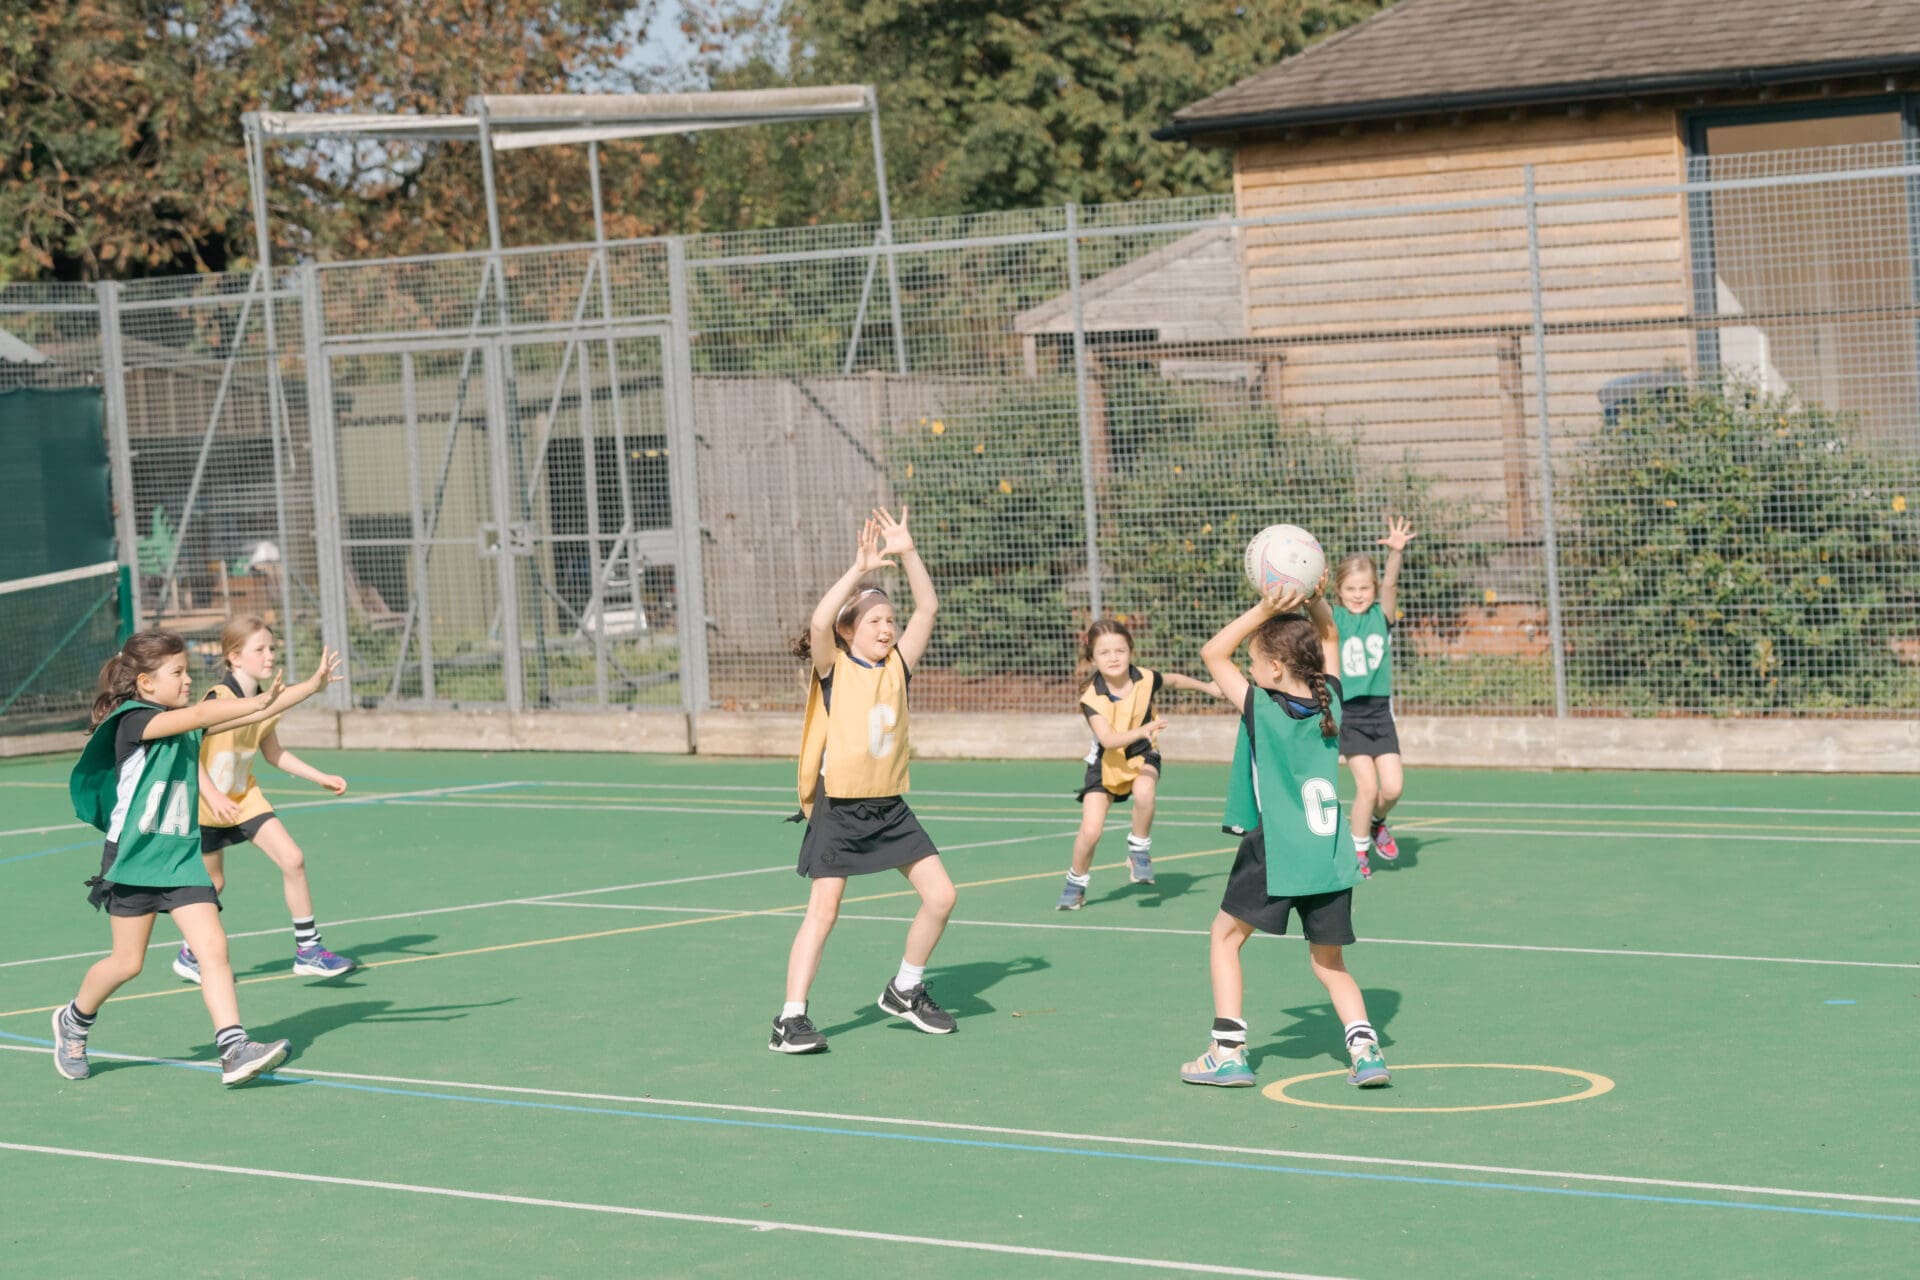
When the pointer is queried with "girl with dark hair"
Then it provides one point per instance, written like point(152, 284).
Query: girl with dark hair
point(1124, 761)
point(137, 780)
point(1283, 802)
point(233, 809)
point(853, 773)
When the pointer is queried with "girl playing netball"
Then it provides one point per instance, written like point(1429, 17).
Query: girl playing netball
point(1282, 800)
point(232, 810)
point(1364, 614)
point(1123, 761)
point(853, 771)
point(136, 781)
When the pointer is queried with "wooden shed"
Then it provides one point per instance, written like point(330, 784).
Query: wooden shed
point(1416, 327)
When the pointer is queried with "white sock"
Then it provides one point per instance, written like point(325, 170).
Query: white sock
point(1358, 1034)
point(1139, 844)
point(909, 977)
point(793, 1008)
point(1362, 843)
point(1083, 880)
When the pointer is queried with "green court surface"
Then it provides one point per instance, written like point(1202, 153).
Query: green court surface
point(1640, 1025)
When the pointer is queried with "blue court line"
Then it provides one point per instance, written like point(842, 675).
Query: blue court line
point(42, 853)
point(1038, 1149)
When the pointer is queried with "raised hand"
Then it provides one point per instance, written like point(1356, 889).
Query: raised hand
point(898, 541)
point(271, 694)
point(1279, 598)
point(1399, 533)
point(326, 670)
point(870, 557)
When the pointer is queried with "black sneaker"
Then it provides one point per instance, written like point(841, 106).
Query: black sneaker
point(917, 1007)
point(796, 1035)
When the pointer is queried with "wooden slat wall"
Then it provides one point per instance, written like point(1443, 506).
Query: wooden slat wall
point(1414, 330)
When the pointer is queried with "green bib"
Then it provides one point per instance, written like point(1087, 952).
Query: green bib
point(1366, 652)
point(149, 806)
point(1284, 783)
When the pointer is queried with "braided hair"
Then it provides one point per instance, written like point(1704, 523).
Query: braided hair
point(1293, 641)
point(142, 655)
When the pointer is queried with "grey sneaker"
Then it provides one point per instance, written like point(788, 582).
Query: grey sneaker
point(917, 1007)
point(796, 1035)
point(1139, 865)
point(186, 964)
point(250, 1058)
point(1369, 1069)
point(1072, 897)
point(69, 1050)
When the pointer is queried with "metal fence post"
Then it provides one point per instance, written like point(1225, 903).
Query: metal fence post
point(683, 480)
point(322, 438)
point(113, 378)
point(1087, 497)
point(1555, 626)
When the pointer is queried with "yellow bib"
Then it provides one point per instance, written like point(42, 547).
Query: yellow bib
point(1117, 769)
point(227, 756)
point(861, 744)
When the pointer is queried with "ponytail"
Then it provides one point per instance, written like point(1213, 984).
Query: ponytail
point(142, 655)
point(1317, 681)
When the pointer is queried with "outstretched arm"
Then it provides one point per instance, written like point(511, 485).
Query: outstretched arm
point(1174, 680)
point(913, 641)
point(866, 559)
point(1218, 652)
point(325, 672)
point(1399, 534)
point(213, 713)
point(281, 758)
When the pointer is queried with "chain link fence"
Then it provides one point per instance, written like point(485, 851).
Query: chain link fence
point(1661, 443)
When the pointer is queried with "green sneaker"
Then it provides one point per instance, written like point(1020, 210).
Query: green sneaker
point(1225, 1067)
point(1369, 1071)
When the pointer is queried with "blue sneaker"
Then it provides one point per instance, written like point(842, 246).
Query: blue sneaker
point(1072, 897)
point(69, 1050)
point(1225, 1067)
point(318, 962)
point(1139, 866)
point(186, 964)
point(1369, 1070)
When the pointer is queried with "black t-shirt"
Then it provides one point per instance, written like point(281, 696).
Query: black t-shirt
point(127, 731)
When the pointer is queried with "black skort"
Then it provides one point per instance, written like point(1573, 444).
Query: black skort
point(141, 899)
point(214, 839)
point(1325, 918)
point(1366, 727)
point(860, 837)
point(1092, 783)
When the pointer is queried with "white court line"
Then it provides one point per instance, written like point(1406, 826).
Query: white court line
point(337, 802)
point(22, 782)
point(1005, 1131)
point(705, 1219)
point(521, 901)
point(1165, 798)
point(1426, 832)
point(1201, 933)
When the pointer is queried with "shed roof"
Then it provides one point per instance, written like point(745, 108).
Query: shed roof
point(1440, 55)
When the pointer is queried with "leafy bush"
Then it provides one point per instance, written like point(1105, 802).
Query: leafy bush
point(1738, 551)
point(1194, 470)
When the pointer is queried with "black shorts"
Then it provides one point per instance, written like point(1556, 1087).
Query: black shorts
point(1326, 918)
point(214, 839)
point(1092, 783)
point(1366, 727)
point(860, 837)
point(141, 899)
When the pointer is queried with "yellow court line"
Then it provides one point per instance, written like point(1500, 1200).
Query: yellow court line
point(614, 933)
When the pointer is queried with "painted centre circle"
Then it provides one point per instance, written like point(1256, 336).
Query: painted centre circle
point(1596, 1085)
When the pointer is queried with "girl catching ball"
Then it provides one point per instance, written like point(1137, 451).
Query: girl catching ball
point(136, 780)
point(1123, 762)
point(853, 773)
point(232, 810)
point(1364, 614)
point(1282, 801)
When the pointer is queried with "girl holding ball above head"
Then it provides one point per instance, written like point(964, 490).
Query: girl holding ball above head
point(1364, 613)
point(233, 811)
point(1282, 800)
point(1124, 761)
point(853, 773)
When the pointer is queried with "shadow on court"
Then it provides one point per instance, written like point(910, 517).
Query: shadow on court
point(957, 987)
point(1317, 1031)
point(1409, 858)
point(1167, 886)
point(404, 944)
